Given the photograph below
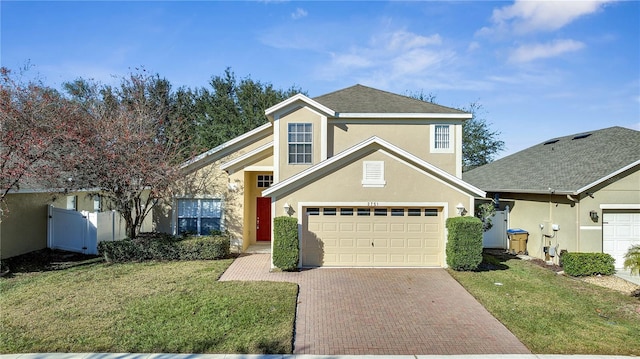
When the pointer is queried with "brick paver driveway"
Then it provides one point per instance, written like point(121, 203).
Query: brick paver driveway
point(384, 311)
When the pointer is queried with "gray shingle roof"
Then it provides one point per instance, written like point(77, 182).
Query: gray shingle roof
point(564, 164)
point(363, 99)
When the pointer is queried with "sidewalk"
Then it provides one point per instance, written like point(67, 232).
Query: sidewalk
point(626, 275)
point(295, 356)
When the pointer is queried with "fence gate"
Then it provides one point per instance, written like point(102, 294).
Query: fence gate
point(80, 232)
point(496, 236)
point(68, 230)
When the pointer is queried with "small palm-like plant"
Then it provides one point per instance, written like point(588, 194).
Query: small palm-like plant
point(632, 259)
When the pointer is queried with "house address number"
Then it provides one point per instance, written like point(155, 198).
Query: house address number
point(372, 204)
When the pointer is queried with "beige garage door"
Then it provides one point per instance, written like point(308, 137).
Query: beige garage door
point(372, 237)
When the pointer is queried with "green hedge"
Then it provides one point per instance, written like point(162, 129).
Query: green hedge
point(464, 244)
point(165, 248)
point(586, 264)
point(285, 243)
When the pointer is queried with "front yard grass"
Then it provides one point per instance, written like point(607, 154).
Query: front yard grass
point(171, 307)
point(555, 314)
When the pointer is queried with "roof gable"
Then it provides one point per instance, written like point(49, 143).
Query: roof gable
point(336, 162)
point(565, 165)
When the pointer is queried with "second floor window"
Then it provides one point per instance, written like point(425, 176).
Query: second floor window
point(300, 143)
point(441, 139)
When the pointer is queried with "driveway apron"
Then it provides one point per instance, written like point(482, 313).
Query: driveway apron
point(384, 311)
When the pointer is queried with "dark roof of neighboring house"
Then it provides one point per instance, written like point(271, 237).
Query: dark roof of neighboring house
point(561, 165)
point(363, 99)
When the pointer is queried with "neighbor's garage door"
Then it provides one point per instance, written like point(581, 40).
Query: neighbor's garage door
point(372, 237)
point(620, 231)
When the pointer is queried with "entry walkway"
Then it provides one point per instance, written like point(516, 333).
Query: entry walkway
point(368, 311)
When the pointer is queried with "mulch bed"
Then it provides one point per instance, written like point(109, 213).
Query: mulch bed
point(46, 260)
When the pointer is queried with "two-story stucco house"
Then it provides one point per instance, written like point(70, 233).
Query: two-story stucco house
point(371, 177)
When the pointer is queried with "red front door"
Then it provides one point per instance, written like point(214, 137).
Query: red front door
point(263, 219)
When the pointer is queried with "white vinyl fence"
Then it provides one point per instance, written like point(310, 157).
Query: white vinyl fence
point(81, 232)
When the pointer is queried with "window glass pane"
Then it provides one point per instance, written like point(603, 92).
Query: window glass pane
point(307, 127)
point(380, 212)
point(313, 211)
point(292, 127)
point(329, 211)
point(307, 158)
point(211, 208)
point(413, 212)
point(346, 211)
point(188, 208)
point(188, 225)
point(399, 212)
point(430, 212)
point(364, 211)
point(209, 225)
point(441, 136)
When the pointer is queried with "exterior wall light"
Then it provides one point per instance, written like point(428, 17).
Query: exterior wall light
point(461, 210)
point(594, 215)
point(287, 209)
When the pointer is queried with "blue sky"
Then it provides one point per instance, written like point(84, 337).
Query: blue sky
point(540, 69)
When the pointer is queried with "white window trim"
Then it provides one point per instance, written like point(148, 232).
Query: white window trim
point(367, 181)
point(432, 138)
point(289, 143)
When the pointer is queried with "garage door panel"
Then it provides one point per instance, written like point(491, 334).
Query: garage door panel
point(392, 240)
point(347, 227)
point(381, 227)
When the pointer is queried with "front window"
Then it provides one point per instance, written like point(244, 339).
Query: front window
point(300, 143)
point(199, 216)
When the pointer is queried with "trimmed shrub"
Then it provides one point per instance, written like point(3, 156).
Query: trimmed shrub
point(464, 244)
point(209, 247)
point(165, 248)
point(586, 264)
point(285, 243)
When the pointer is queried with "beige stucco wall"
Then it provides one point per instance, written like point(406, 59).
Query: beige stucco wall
point(403, 184)
point(23, 227)
point(578, 232)
point(212, 182)
point(412, 136)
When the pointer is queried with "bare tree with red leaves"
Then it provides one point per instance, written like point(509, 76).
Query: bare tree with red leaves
point(41, 134)
point(138, 143)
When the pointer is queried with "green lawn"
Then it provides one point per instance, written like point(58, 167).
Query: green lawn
point(552, 313)
point(173, 307)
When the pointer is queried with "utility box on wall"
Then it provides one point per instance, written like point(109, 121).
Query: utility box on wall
point(518, 240)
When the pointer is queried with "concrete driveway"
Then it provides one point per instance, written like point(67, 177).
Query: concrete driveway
point(384, 311)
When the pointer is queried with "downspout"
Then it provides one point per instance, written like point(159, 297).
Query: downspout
point(577, 205)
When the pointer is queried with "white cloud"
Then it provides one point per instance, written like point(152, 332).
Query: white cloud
point(391, 57)
point(527, 53)
point(299, 13)
point(526, 16)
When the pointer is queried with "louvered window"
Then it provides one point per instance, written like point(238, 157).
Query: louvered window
point(373, 174)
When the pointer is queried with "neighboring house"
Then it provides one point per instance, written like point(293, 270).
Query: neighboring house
point(371, 177)
point(585, 185)
point(35, 219)
point(23, 227)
